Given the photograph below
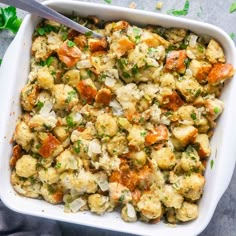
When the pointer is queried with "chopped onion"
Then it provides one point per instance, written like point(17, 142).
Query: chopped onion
point(130, 211)
point(77, 204)
point(193, 40)
point(109, 82)
point(116, 108)
point(19, 189)
point(94, 147)
point(84, 64)
point(101, 180)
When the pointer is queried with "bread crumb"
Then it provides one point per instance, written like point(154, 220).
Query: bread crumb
point(159, 5)
point(132, 5)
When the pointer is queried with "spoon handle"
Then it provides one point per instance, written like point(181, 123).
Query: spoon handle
point(43, 11)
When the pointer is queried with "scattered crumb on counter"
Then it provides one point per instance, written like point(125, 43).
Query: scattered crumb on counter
point(132, 5)
point(159, 5)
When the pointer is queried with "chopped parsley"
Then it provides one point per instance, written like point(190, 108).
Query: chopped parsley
point(51, 189)
point(88, 34)
point(200, 48)
point(232, 35)
point(143, 133)
point(216, 110)
point(39, 105)
point(182, 12)
point(135, 69)
point(70, 44)
point(0, 61)
point(9, 19)
point(122, 63)
point(77, 147)
point(212, 163)
point(48, 62)
point(232, 7)
point(197, 93)
point(70, 122)
point(186, 62)
point(121, 198)
point(126, 75)
point(193, 116)
point(46, 29)
point(70, 96)
point(58, 165)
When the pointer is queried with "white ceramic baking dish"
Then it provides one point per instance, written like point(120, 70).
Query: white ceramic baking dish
point(13, 76)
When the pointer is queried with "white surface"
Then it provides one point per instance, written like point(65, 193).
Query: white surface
point(15, 67)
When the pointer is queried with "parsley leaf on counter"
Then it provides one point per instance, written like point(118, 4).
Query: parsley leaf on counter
point(182, 12)
point(232, 7)
point(232, 35)
point(9, 19)
point(0, 61)
point(108, 1)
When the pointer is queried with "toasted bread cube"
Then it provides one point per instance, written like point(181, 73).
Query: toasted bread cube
point(189, 88)
point(219, 73)
point(160, 133)
point(175, 61)
point(187, 212)
point(69, 54)
point(120, 25)
point(40, 48)
point(96, 45)
point(153, 40)
point(185, 134)
point(214, 107)
point(172, 101)
point(200, 70)
point(103, 96)
point(87, 90)
point(81, 41)
point(122, 46)
point(44, 78)
point(202, 141)
point(214, 52)
point(164, 157)
point(29, 96)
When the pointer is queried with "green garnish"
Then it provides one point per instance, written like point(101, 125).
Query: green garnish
point(0, 61)
point(135, 69)
point(70, 44)
point(121, 198)
point(77, 147)
point(232, 7)
point(212, 163)
point(143, 133)
point(64, 36)
point(51, 189)
point(32, 180)
point(46, 29)
point(126, 75)
point(171, 48)
point(39, 105)
point(58, 165)
point(88, 34)
point(70, 122)
point(197, 93)
point(70, 96)
point(186, 62)
point(216, 110)
point(9, 19)
point(48, 62)
point(122, 63)
point(182, 12)
point(193, 116)
point(108, 1)
point(200, 48)
point(232, 35)
point(89, 73)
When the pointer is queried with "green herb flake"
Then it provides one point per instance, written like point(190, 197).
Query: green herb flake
point(64, 36)
point(108, 1)
point(39, 105)
point(9, 19)
point(212, 163)
point(121, 198)
point(197, 93)
point(51, 189)
point(70, 44)
point(126, 75)
point(232, 7)
point(193, 116)
point(232, 35)
point(41, 31)
point(182, 12)
point(46, 29)
point(77, 147)
point(58, 165)
point(0, 61)
point(49, 61)
point(143, 133)
point(71, 95)
point(32, 180)
point(216, 110)
point(135, 69)
point(186, 62)
point(200, 48)
point(88, 34)
point(70, 122)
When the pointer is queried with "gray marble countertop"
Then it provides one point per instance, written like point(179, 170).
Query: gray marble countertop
point(215, 12)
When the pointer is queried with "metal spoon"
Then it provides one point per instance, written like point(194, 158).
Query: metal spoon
point(43, 11)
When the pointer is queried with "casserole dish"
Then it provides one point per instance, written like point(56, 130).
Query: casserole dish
point(16, 74)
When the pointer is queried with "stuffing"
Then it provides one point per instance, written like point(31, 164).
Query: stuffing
point(23, 136)
point(98, 203)
point(187, 212)
point(65, 97)
point(214, 52)
point(26, 166)
point(122, 121)
point(29, 96)
point(164, 157)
